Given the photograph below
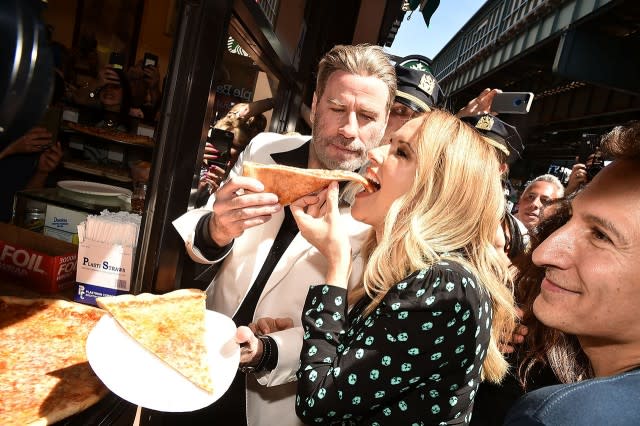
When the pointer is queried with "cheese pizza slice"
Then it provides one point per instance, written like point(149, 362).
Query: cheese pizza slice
point(291, 183)
point(171, 326)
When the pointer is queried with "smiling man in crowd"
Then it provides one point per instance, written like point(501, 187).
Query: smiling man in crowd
point(538, 193)
point(591, 291)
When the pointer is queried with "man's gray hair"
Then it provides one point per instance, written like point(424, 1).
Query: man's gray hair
point(549, 179)
point(360, 59)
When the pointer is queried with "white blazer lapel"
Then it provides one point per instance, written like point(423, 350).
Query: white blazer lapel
point(260, 243)
point(298, 248)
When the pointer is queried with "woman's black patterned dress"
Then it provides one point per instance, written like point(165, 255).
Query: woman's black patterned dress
point(416, 360)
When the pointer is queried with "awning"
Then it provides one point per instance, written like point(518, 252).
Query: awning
point(427, 7)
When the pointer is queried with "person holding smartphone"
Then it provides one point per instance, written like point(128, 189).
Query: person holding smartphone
point(26, 164)
point(114, 95)
point(144, 77)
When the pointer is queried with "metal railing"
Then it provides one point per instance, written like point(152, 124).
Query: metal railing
point(496, 19)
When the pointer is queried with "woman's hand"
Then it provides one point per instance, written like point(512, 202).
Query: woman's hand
point(318, 218)
point(517, 337)
point(268, 325)
point(212, 178)
point(210, 153)
point(37, 139)
point(107, 75)
point(50, 159)
point(151, 77)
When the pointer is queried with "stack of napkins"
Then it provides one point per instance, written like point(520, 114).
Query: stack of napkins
point(105, 254)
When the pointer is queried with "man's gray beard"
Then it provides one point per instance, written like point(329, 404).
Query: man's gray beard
point(350, 165)
point(331, 164)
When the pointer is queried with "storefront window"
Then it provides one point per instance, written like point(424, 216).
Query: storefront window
point(270, 9)
point(243, 94)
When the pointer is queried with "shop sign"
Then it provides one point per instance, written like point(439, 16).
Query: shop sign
point(238, 92)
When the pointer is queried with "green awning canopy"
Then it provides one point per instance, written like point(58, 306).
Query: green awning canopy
point(427, 7)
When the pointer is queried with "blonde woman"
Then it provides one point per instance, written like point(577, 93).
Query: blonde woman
point(412, 343)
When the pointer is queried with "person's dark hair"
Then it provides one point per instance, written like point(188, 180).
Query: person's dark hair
point(622, 141)
point(256, 124)
point(544, 345)
point(514, 244)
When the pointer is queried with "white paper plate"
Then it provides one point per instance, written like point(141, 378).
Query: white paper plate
point(93, 188)
point(138, 376)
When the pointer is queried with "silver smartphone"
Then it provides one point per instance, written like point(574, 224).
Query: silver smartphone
point(512, 102)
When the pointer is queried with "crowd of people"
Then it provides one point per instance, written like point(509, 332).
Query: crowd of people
point(425, 301)
point(108, 96)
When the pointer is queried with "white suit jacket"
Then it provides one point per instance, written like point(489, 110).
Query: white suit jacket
point(270, 395)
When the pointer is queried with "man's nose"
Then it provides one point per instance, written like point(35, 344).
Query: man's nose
point(349, 128)
point(556, 249)
point(537, 202)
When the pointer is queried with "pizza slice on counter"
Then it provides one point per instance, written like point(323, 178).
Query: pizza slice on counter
point(44, 372)
point(171, 326)
point(291, 183)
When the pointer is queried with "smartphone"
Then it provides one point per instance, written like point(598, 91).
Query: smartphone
point(585, 150)
point(150, 60)
point(221, 141)
point(512, 102)
point(51, 121)
point(116, 60)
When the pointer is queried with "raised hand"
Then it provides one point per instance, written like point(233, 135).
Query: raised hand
point(479, 105)
point(108, 75)
point(35, 140)
point(50, 159)
point(318, 218)
point(577, 178)
point(240, 204)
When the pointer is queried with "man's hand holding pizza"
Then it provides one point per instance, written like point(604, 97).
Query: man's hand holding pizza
point(240, 204)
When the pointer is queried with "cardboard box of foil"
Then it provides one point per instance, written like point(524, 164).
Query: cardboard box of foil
point(41, 263)
point(103, 270)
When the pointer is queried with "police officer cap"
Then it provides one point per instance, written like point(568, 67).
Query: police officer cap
point(419, 90)
point(501, 135)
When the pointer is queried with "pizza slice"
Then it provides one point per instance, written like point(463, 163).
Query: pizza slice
point(171, 326)
point(44, 372)
point(291, 183)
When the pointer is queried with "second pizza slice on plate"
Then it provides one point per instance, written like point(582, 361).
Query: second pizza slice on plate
point(171, 326)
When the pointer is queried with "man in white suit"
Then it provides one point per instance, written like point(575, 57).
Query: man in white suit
point(266, 265)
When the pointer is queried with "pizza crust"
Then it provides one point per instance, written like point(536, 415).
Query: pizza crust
point(113, 135)
point(291, 183)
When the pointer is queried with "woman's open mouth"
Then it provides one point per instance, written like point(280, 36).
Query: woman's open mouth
point(374, 183)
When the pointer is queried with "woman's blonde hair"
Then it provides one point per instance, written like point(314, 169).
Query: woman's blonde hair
point(451, 211)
